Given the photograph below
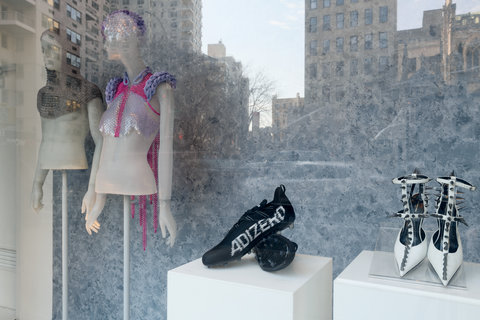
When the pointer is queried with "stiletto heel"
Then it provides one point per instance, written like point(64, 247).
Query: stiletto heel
point(410, 247)
point(445, 251)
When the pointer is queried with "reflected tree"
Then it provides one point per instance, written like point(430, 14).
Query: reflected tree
point(260, 93)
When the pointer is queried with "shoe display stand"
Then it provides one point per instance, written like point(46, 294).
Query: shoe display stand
point(241, 290)
point(358, 295)
point(384, 266)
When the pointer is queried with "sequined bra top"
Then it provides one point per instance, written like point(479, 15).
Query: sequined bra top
point(129, 107)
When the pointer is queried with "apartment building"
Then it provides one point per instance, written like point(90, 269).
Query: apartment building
point(178, 21)
point(346, 41)
point(80, 23)
point(284, 113)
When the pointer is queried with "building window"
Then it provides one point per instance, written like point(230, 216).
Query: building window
point(313, 4)
point(339, 93)
point(74, 37)
point(383, 64)
point(353, 67)
point(368, 41)
point(340, 20)
point(74, 14)
point(54, 3)
point(4, 41)
point(368, 16)
point(326, 94)
point(313, 71)
point(368, 65)
point(95, 5)
point(313, 24)
point(326, 22)
point(326, 46)
point(19, 45)
point(339, 44)
point(340, 2)
point(353, 18)
point(140, 1)
point(4, 96)
point(354, 1)
point(51, 24)
point(73, 60)
point(313, 47)
point(353, 43)
point(326, 3)
point(126, 2)
point(339, 68)
point(325, 70)
point(383, 14)
point(383, 40)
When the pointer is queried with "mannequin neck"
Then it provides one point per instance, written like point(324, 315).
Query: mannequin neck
point(134, 67)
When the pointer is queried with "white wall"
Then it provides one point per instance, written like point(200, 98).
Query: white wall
point(33, 231)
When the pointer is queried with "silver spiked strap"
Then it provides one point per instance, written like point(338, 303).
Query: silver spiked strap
point(406, 214)
point(447, 217)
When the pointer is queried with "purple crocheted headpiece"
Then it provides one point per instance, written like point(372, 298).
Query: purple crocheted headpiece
point(122, 24)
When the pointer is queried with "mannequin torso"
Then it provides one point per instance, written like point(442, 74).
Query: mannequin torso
point(62, 146)
point(123, 166)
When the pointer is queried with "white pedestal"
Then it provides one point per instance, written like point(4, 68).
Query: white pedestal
point(358, 296)
point(241, 290)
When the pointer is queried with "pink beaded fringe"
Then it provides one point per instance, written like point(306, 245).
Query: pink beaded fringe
point(152, 158)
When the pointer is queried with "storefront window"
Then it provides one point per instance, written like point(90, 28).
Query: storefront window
point(332, 99)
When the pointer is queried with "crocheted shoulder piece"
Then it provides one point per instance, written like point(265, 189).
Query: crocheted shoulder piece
point(154, 82)
point(112, 88)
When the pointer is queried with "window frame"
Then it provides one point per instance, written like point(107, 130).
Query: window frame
point(312, 28)
point(368, 16)
point(340, 23)
point(339, 44)
point(383, 14)
point(353, 18)
point(326, 26)
point(368, 41)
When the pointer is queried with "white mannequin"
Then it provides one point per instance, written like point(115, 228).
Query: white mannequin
point(63, 138)
point(123, 167)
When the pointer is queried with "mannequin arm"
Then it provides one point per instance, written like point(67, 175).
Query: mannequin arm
point(91, 223)
point(95, 110)
point(37, 189)
point(165, 161)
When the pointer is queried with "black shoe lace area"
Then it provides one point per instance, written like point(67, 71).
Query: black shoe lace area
point(256, 213)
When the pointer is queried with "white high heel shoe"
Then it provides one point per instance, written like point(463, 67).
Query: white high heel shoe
point(410, 247)
point(445, 251)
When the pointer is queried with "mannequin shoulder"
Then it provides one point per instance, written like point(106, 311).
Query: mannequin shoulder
point(111, 88)
point(91, 91)
point(155, 80)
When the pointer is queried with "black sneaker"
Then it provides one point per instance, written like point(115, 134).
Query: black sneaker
point(256, 224)
point(275, 252)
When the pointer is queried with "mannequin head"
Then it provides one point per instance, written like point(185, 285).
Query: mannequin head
point(122, 31)
point(52, 51)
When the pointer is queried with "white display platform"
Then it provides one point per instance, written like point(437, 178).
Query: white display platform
point(241, 290)
point(358, 296)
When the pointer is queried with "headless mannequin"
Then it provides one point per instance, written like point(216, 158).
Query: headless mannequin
point(123, 167)
point(63, 137)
